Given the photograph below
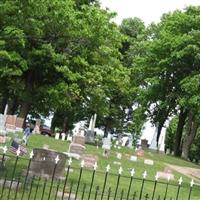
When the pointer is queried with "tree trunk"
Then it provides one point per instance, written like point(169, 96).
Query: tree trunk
point(65, 128)
point(191, 131)
point(160, 125)
point(12, 107)
point(3, 105)
point(53, 125)
point(24, 110)
point(179, 131)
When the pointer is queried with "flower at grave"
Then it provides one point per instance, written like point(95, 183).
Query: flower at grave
point(70, 161)
point(120, 170)
point(95, 166)
point(156, 177)
point(180, 180)
point(5, 149)
point(31, 155)
point(18, 151)
point(192, 183)
point(108, 168)
point(132, 172)
point(144, 174)
point(82, 163)
point(57, 159)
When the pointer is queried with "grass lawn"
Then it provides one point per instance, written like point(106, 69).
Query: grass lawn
point(37, 141)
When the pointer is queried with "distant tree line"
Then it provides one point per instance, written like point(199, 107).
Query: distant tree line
point(68, 58)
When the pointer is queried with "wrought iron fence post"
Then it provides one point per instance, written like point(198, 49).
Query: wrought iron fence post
point(95, 167)
point(3, 157)
point(13, 173)
point(27, 173)
point(5, 179)
point(43, 190)
point(165, 197)
point(79, 179)
point(105, 181)
point(154, 189)
point(141, 191)
point(96, 193)
point(84, 187)
point(179, 186)
point(36, 191)
point(109, 193)
point(57, 188)
point(18, 181)
point(191, 186)
point(66, 177)
point(118, 179)
point(29, 195)
point(54, 171)
point(130, 184)
point(122, 194)
point(70, 190)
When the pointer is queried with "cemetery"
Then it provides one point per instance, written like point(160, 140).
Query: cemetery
point(99, 100)
point(126, 163)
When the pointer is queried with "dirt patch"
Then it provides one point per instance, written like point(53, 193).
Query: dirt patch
point(187, 171)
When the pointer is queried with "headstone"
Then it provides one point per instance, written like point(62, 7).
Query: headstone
point(89, 137)
point(130, 142)
point(63, 135)
point(164, 175)
point(36, 129)
point(2, 139)
point(168, 151)
point(89, 160)
point(144, 144)
point(43, 163)
point(78, 145)
point(69, 138)
point(119, 156)
point(2, 124)
point(19, 124)
point(148, 162)
point(140, 152)
point(57, 136)
point(11, 123)
point(124, 141)
point(116, 163)
point(106, 146)
point(162, 140)
point(133, 158)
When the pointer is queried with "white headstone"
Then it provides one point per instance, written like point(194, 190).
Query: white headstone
point(133, 158)
point(63, 136)
point(106, 143)
point(119, 156)
point(69, 138)
point(124, 140)
point(57, 136)
point(162, 140)
point(148, 162)
point(2, 124)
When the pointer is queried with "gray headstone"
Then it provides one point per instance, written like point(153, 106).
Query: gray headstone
point(89, 137)
point(43, 163)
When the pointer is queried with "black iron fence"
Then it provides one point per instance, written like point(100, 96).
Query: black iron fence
point(79, 183)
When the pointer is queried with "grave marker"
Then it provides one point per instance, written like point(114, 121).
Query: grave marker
point(133, 158)
point(148, 162)
point(89, 160)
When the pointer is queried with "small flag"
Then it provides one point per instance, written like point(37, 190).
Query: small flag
point(15, 146)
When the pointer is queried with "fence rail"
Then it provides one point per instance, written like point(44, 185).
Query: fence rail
point(16, 182)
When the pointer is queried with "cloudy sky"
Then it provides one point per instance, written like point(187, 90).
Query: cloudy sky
point(148, 10)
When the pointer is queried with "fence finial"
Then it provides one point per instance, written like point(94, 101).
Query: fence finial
point(120, 170)
point(18, 151)
point(57, 159)
point(180, 180)
point(192, 183)
point(95, 166)
point(5, 149)
point(31, 154)
point(70, 161)
point(132, 172)
point(156, 177)
point(144, 174)
point(108, 168)
point(82, 163)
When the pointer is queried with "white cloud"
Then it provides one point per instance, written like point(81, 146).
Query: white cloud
point(148, 10)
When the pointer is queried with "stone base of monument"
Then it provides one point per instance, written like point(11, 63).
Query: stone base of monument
point(43, 163)
point(76, 148)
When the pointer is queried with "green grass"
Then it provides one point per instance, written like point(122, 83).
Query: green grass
point(37, 141)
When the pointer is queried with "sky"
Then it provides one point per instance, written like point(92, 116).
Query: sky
point(147, 10)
